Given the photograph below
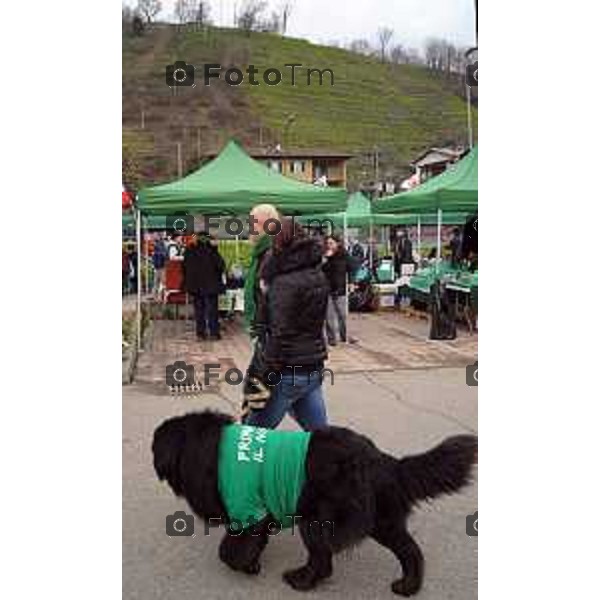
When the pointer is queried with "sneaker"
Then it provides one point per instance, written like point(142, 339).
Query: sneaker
point(214, 336)
point(200, 336)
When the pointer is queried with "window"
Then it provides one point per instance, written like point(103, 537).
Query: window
point(298, 166)
point(275, 165)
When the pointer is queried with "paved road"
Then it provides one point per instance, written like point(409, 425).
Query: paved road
point(402, 410)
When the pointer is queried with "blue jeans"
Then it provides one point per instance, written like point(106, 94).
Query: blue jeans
point(300, 396)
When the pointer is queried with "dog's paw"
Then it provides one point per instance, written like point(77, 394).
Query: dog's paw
point(406, 586)
point(301, 579)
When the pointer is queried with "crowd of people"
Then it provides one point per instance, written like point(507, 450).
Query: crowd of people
point(295, 305)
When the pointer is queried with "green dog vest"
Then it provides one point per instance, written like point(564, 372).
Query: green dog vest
point(261, 471)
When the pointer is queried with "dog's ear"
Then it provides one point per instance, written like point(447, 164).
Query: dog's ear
point(167, 448)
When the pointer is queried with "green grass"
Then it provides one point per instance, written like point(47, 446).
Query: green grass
point(401, 109)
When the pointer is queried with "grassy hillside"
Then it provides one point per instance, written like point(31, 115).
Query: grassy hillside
point(400, 109)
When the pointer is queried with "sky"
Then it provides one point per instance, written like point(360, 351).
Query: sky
point(341, 21)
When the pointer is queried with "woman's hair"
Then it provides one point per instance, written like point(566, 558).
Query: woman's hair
point(340, 244)
point(335, 238)
point(290, 230)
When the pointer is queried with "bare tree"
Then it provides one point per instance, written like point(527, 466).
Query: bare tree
point(149, 8)
point(443, 57)
point(273, 23)
point(434, 51)
point(384, 35)
point(249, 17)
point(413, 57)
point(182, 11)
point(131, 21)
point(286, 11)
point(361, 46)
point(398, 54)
point(126, 15)
point(202, 11)
point(196, 12)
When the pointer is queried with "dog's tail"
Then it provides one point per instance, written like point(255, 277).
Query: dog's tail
point(442, 470)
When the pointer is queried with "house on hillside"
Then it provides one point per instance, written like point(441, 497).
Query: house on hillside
point(323, 167)
point(435, 161)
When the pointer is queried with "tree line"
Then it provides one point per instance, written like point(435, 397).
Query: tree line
point(438, 55)
point(251, 15)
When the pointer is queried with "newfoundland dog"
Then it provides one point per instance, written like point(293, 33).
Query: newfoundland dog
point(345, 486)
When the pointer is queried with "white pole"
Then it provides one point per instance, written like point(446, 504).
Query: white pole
point(371, 245)
point(138, 226)
point(346, 275)
point(439, 235)
point(419, 237)
point(469, 123)
point(146, 249)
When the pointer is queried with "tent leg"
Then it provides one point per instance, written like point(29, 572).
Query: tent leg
point(419, 237)
point(371, 245)
point(346, 275)
point(146, 262)
point(138, 226)
point(439, 235)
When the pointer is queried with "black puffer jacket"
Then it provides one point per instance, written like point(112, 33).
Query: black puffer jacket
point(203, 269)
point(335, 268)
point(297, 292)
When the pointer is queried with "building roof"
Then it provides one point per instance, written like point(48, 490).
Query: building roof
point(273, 153)
point(438, 155)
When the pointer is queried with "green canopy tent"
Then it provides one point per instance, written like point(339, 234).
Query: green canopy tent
point(231, 184)
point(453, 191)
point(151, 222)
point(360, 212)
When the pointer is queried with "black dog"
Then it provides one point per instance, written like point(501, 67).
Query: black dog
point(350, 484)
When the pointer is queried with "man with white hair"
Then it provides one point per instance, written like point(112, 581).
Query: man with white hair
point(256, 393)
point(263, 218)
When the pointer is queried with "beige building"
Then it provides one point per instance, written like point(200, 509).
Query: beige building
point(311, 166)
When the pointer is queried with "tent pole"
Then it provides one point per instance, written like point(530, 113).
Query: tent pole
point(439, 235)
point(469, 123)
point(346, 273)
point(371, 244)
point(419, 237)
point(146, 257)
point(385, 237)
point(138, 226)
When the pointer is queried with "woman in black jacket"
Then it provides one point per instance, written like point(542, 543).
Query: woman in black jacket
point(294, 350)
point(335, 268)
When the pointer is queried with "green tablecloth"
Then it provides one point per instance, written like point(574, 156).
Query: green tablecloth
point(421, 282)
